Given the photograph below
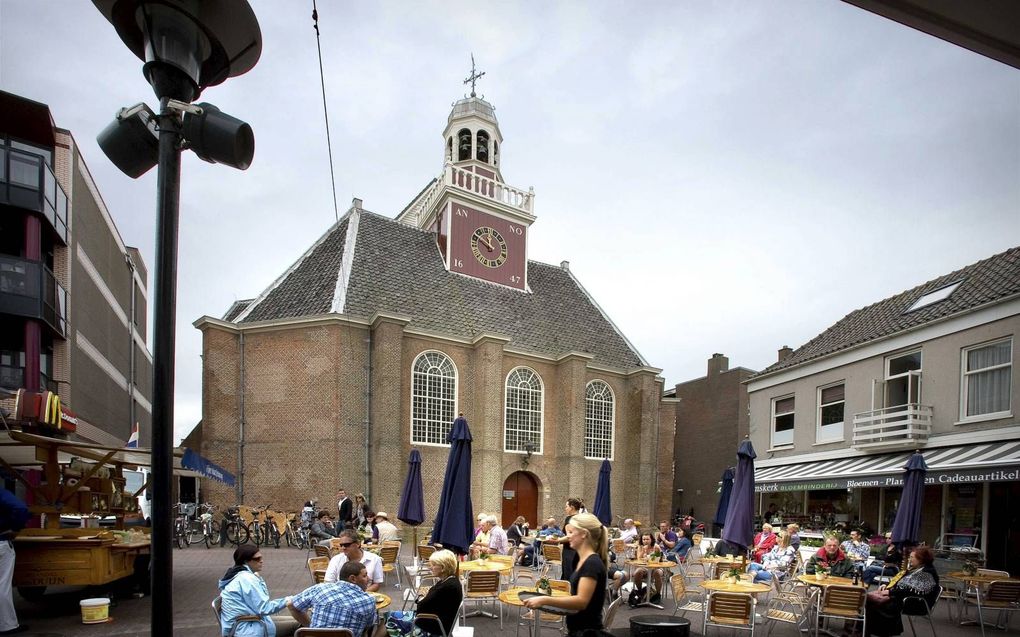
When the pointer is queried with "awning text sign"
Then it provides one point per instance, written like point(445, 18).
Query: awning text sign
point(963, 476)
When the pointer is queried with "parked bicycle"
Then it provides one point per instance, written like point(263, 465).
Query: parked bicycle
point(209, 528)
point(182, 523)
point(233, 528)
point(262, 530)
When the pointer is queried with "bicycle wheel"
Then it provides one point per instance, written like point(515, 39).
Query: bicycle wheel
point(237, 533)
point(179, 536)
point(274, 535)
point(195, 532)
point(256, 534)
point(288, 536)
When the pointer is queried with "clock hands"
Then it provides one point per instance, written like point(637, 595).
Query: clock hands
point(487, 240)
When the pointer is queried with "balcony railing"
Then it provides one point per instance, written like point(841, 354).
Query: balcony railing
point(27, 181)
point(456, 178)
point(28, 288)
point(893, 427)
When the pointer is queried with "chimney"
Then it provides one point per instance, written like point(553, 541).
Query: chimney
point(717, 364)
point(356, 204)
point(784, 353)
point(565, 265)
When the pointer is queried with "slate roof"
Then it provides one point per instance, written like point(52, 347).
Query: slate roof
point(397, 269)
point(992, 280)
point(236, 309)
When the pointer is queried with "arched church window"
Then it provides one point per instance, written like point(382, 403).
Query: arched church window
point(483, 146)
point(463, 145)
point(523, 411)
point(433, 398)
point(599, 418)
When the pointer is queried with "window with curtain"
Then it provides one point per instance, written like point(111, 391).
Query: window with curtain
point(433, 398)
point(831, 400)
point(599, 416)
point(987, 378)
point(523, 411)
point(782, 421)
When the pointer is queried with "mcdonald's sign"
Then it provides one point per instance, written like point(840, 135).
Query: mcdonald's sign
point(43, 408)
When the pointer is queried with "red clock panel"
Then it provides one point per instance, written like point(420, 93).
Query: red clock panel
point(486, 246)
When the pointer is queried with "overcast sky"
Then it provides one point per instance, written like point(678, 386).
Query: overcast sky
point(723, 177)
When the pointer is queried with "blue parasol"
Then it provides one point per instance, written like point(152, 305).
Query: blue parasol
point(738, 528)
point(603, 508)
point(724, 497)
point(411, 509)
point(455, 517)
point(906, 528)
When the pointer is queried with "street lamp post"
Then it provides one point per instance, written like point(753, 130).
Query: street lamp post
point(187, 45)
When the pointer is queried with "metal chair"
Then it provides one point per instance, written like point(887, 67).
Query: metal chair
point(417, 586)
point(217, 606)
point(1001, 595)
point(323, 632)
point(730, 610)
point(388, 553)
point(547, 620)
point(317, 564)
point(915, 606)
point(481, 586)
point(842, 602)
point(791, 608)
point(685, 600)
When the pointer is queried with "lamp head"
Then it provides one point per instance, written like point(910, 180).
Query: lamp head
point(131, 141)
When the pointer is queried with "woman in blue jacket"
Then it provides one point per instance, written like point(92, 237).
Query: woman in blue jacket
point(244, 592)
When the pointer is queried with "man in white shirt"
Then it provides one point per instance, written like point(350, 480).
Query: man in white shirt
point(351, 551)
point(387, 532)
point(629, 532)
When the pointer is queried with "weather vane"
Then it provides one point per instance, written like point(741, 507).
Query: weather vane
point(474, 77)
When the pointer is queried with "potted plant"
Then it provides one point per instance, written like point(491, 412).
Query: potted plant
point(821, 572)
point(733, 575)
point(970, 568)
point(655, 556)
point(483, 556)
point(543, 586)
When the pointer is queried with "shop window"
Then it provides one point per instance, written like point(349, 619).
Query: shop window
point(987, 379)
point(523, 411)
point(963, 515)
point(831, 401)
point(433, 398)
point(599, 416)
point(782, 421)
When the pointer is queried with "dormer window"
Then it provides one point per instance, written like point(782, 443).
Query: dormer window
point(483, 146)
point(463, 145)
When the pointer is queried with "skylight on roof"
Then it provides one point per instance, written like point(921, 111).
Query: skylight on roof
point(940, 294)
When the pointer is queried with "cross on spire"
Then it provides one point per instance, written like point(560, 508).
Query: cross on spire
point(474, 77)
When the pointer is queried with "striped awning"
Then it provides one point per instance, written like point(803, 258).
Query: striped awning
point(992, 462)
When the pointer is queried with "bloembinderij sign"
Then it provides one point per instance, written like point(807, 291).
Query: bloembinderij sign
point(1005, 474)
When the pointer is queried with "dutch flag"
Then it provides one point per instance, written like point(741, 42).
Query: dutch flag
point(132, 442)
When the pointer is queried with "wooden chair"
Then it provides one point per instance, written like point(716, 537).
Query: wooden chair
point(552, 553)
point(730, 610)
point(317, 564)
point(842, 602)
point(481, 586)
point(791, 608)
point(1001, 595)
point(217, 606)
point(323, 632)
point(321, 550)
point(620, 548)
point(425, 551)
point(686, 600)
point(914, 606)
point(388, 554)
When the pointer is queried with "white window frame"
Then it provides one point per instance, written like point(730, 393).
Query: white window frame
point(447, 426)
point(589, 419)
point(507, 407)
point(828, 433)
point(911, 400)
point(964, 385)
point(772, 422)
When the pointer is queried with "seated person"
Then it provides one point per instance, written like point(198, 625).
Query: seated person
point(629, 532)
point(647, 546)
point(775, 563)
point(683, 544)
point(857, 550)
point(517, 530)
point(496, 542)
point(351, 551)
point(888, 566)
point(794, 530)
point(322, 530)
point(886, 605)
point(666, 538)
point(387, 531)
point(548, 531)
point(340, 604)
point(244, 592)
point(617, 576)
point(831, 557)
point(442, 599)
point(763, 542)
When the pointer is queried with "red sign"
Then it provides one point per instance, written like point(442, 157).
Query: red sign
point(487, 246)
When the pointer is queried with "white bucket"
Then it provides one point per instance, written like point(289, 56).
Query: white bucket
point(95, 610)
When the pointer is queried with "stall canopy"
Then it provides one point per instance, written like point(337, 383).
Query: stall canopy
point(997, 461)
point(206, 468)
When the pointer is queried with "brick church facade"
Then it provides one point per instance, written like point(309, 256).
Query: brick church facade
point(386, 329)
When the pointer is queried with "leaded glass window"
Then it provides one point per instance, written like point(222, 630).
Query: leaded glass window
point(599, 416)
point(433, 398)
point(523, 411)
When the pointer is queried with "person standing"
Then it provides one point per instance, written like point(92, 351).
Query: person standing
point(13, 516)
point(568, 557)
point(345, 510)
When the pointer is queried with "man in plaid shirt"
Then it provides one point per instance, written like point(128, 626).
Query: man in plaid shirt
point(341, 604)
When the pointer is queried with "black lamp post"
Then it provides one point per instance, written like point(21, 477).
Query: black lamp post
point(186, 45)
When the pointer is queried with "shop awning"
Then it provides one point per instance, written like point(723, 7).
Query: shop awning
point(992, 462)
point(208, 469)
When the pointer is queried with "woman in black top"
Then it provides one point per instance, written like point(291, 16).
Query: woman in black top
point(568, 559)
point(590, 540)
point(885, 606)
point(443, 599)
point(517, 530)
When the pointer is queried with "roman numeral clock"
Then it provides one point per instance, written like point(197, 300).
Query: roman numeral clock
point(487, 246)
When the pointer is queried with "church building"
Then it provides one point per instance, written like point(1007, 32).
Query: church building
point(386, 329)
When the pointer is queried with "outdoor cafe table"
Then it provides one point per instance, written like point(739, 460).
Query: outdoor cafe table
point(740, 587)
point(977, 579)
point(486, 565)
point(511, 596)
point(649, 565)
point(381, 600)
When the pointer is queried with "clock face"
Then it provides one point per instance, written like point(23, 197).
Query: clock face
point(489, 247)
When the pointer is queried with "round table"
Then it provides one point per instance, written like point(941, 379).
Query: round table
point(381, 600)
point(740, 587)
point(511, 597)
point(655, 625)
point(973, 580)
point(486, 565)
point(831, 580)
point(646, 564)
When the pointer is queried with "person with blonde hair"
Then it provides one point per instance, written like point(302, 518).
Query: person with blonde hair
point(590, 540)
point(442, 599)
point(775, 563)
